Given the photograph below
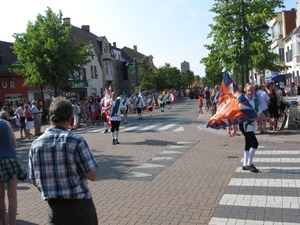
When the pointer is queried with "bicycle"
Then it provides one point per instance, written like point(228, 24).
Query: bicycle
point(291, 110)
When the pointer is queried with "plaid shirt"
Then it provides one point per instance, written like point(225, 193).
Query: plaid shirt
point(58, 162)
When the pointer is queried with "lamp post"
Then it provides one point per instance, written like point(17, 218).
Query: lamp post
point(136, 73)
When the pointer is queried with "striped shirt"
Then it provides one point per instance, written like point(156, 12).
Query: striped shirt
point(58, 162)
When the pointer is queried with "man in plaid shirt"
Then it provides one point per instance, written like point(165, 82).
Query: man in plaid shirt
point(60, 163)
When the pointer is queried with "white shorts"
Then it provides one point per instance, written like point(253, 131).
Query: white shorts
point(76, 119)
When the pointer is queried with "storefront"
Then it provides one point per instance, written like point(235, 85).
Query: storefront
point(11, 89)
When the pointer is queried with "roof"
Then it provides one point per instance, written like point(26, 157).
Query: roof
point(293, 32)
point(7, 57)
point(131, 54)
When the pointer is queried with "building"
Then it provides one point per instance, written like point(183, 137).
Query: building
point(282, 27)
point(91, 79)
point(123, 82)
point(185, 66)
point(292, 51)
point(132, 55)
point(11, 85)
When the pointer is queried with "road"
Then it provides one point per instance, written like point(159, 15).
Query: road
point(171, 169)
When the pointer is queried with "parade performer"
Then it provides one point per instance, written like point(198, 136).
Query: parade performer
point(150, 104)
point(115, 109)
point(161, 99)
point(169, 99)
point(105, 103)
point(125, 101)
point(249, 128)
point(237, 108)
point(138, 103)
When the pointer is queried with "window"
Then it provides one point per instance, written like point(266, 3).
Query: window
point(96, 73)
point(281, 55)
point(92, 72)
point(298, 45)
point(106, 69)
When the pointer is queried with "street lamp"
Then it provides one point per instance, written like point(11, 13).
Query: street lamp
point(136, 73)
point(133, 66)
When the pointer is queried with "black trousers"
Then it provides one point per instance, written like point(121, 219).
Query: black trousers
point(139, 110)
point(115, 125)
point(250, 138)
point(72, 212)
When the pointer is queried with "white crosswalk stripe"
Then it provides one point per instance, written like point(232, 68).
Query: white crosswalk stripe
point(141, 127)
point(166, 127)
point(262, 194)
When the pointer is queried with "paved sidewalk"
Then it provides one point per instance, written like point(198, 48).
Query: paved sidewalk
point(190, 177)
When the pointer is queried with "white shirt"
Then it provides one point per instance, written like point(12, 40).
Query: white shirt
point(263, 99)
point(117, 115)
point(253, 126)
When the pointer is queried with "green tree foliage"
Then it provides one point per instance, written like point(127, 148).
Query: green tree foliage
point(146, 74)
point(226, 53)
point(167, 77)
point(45, 53)
point(187, 78)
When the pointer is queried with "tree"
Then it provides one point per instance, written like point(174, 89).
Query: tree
point(45, 53)
point(187, 79)
point(167, 77)
point(147, 74)
point(226, 51)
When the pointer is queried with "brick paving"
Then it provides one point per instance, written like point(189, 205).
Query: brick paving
point(186, 191)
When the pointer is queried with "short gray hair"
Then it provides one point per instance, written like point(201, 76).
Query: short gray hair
point(60, 110)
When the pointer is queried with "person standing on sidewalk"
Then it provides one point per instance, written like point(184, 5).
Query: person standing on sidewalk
point(20, 114)
point(37, 118)
point(60, 163)
point(263, 101)
point(200, 103)
point(248, 129)
point(10, 171)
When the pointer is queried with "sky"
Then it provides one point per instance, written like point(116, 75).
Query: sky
point(172, 31)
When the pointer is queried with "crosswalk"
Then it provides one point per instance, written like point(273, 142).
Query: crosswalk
point(137, 128)
point(268, 197)
point(150, 169)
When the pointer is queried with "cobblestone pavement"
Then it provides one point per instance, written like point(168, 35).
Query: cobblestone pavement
point(187, 174)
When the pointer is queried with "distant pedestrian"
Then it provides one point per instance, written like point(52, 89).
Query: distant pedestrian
point(60, 164)
point(37, 118)
point(207, 99)
point(200, 103)
point(10, 172)
point(28, 120)
point(20, 116)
